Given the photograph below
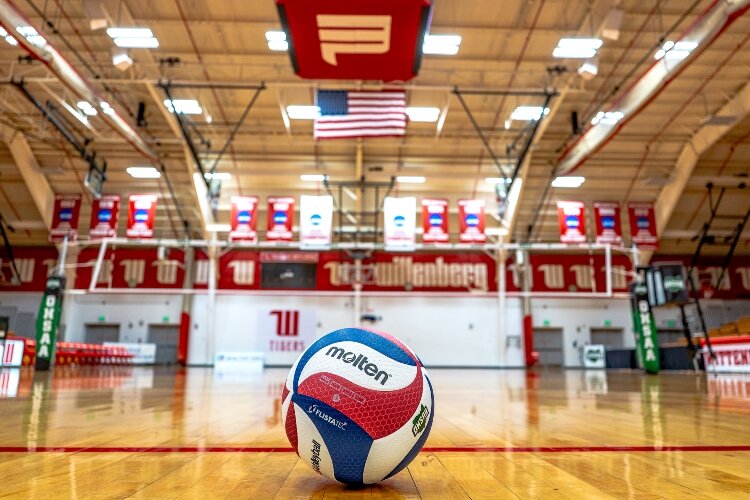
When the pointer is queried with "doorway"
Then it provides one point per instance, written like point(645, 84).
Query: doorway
point(166, 337)
point(548, 342)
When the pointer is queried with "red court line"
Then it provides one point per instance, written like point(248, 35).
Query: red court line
point(437, 449)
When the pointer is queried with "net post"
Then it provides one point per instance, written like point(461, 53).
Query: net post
point(98, 265)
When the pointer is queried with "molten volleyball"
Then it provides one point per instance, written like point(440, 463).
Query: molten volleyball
point(357, 406)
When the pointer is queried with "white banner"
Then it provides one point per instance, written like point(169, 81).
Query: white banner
point(400, 222)
point(316, 219)
point(284, 333)
point(143, 354)
point(11, 353)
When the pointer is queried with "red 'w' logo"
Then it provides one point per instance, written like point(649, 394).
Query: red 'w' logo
point(287, 323)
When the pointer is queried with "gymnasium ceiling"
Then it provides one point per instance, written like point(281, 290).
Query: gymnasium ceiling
point(506, 45)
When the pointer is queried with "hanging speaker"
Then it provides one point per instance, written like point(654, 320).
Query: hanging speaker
point(574, 123)
point(141, 119)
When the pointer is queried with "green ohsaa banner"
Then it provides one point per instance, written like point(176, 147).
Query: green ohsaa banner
point(48, 321)
point(646, 338)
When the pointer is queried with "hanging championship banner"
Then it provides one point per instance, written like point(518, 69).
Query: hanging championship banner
point(400, 222)
point(570, 215)
point(280, 219)
point(608, 225)
point(645, 328)
point(435, 220)
point(335, 40)
point(471, 221)
point(65, 218)
point(48, 321)
point(643, 225)
point(243, 218)
point(104, 213)
point(316, 219)
point(141, 215)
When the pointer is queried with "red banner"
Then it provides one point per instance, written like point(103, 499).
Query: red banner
point(363, 40)
point(34, 264)
point(643, 225)
point(243, 218)
point(435, 220)
point(280, 219)
point(104, 214)
point(608, 224)
point(65, 218)
point(141, 215)
point(471, 221)
point(572, 220)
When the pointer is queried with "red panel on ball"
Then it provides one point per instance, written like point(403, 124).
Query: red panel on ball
point(379, 413)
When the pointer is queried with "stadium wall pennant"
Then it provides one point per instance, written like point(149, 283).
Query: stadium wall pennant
point(243, 219)
point(572, 221)
point(141, 216)
point(280, 219)
point(364, 40)
point(643, 225)
point(400, 222)
point(435, 220)
point(316, 221)
point(608, 224)
point(65, 218)
point(104, 215)
point(471, 221)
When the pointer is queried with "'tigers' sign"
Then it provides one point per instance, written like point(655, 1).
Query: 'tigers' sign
point(48, 321)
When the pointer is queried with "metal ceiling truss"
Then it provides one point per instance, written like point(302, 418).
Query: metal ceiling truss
point(529, 132)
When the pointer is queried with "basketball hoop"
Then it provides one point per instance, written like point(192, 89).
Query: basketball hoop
point(366, 275)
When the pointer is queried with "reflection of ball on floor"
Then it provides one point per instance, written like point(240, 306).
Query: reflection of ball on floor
point(357, 406)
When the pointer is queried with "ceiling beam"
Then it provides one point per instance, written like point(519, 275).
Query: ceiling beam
point(706, 137)
point(36, 182)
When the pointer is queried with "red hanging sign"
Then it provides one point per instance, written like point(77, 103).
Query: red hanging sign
point(363, 40)
point(280, 219)
point(141, 215)
point(572, 221)
point(243, 218)
point(643, 225)
point(471, 221)
point(608, 225)
point(65, 218)
point(435, 220)
point(104, 213)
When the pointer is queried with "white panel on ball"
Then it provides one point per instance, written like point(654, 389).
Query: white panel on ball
point(339, 358)
point(310, 445)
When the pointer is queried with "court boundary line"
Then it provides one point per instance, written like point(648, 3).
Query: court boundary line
point(433, 449)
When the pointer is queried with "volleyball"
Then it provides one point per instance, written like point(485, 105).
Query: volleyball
point(357, 406)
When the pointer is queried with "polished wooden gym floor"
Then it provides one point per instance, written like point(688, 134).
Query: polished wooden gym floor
point(119, 432)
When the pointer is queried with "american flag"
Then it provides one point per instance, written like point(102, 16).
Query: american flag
point(351, 114)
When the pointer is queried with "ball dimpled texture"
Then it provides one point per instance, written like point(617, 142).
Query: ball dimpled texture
point(357, 406)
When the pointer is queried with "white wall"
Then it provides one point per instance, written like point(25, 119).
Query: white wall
point(133, 312)
point(577, 316)
point(24, 301)
point(444, 331)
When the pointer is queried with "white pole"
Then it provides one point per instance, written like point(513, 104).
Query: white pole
point(357, 285)
point(211, 299)
point(98, 265)
point(501, 317)
point(608, 264)
point(63, 255)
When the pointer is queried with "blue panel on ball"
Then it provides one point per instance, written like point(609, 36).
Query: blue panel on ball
point(347, 443)
point(420, 442)
point(370, 339)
